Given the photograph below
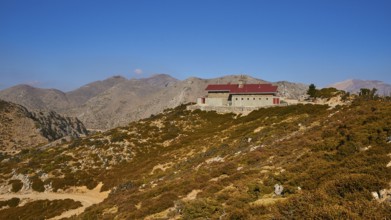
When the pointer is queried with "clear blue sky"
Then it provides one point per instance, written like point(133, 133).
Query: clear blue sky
point(67, 43)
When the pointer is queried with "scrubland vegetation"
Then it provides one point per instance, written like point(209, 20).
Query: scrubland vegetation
point(41, 209)
point(198, 165)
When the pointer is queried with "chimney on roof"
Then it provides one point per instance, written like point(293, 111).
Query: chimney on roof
point(242, 81)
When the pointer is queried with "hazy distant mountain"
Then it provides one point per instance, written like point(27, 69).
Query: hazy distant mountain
point(52, 99)
point(36, 98)
point(117, 101)
point(83, 94)
point(354, 86)
point(120, 104)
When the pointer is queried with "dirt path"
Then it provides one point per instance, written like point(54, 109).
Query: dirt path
point(81, 194)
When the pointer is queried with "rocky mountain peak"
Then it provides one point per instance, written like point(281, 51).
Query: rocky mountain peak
point(160, 80)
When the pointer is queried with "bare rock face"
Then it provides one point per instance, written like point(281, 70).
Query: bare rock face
point(17, 129)
point(117, 101)
point(291, 90)
point(54, 126)
point(278, 189)
point(20, 128)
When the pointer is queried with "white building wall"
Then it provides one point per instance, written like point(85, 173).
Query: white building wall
point(252, 100)
point(199, 101)
point(216, 101)
point(218, 95)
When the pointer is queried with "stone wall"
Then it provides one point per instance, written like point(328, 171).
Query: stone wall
point(227, 109)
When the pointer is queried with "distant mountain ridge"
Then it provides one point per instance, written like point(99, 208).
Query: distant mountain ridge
point(116, 101)
point(86, 92)
point(354, 86)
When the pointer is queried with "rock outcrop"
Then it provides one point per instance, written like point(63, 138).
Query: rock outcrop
point(20, 128)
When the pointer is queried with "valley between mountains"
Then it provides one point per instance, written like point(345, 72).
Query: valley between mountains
point(299, 161)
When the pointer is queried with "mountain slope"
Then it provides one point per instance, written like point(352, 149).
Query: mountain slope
point(20, 128)
point(122, 103)
point(128, 102)
point(36, 98)
point(354, 86)
point(117, 101)
point(83, 94)
point(303, 161)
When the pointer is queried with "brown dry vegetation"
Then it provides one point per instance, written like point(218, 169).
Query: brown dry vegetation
point(328, 161)
point(41, 209)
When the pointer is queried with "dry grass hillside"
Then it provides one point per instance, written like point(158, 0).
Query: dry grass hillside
point(294, 162)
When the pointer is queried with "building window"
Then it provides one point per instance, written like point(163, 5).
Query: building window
point(236, 98)
point(267, 98)
point(248, 98)
point(253, 98)
point(242, 98)
point(260, 98)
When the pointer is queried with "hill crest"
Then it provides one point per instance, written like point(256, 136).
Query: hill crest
point(116, 101)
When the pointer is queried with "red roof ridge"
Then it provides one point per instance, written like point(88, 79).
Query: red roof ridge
point(247, 88)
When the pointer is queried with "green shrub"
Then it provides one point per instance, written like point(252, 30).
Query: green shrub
point(118, 136)
point(16, 185)
point(11, 202)
point(41, 209)
point(37, 184)
point(354, 186)
point(201, 209)
point(238, 214)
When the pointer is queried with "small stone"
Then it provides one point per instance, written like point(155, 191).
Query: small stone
point(375, 195)
point(383, 193)
point(278, 189)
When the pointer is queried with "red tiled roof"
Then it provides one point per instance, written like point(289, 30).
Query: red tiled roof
point(247, 88)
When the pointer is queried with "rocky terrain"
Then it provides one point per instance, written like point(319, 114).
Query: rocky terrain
point(116, 101)
point(294, 162)
point(21, 128)
point(354, 86)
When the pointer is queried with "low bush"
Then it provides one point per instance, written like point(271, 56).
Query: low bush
point(201, 209)
point(41, 209)
point(37, 184)
point(11, 202)
point(16, 185)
